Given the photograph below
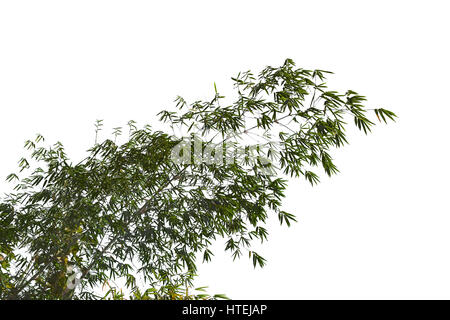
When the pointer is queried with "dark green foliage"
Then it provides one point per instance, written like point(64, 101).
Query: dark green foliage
point(128, 211)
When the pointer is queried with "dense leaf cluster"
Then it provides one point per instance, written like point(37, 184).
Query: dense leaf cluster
point(128, 211)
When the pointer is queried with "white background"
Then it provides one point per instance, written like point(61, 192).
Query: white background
point(380, 229)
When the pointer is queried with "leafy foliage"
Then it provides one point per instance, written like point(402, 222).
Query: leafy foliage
point(128, 211)
point(176, 291)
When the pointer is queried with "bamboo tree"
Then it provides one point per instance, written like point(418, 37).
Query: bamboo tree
point(128, 210)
